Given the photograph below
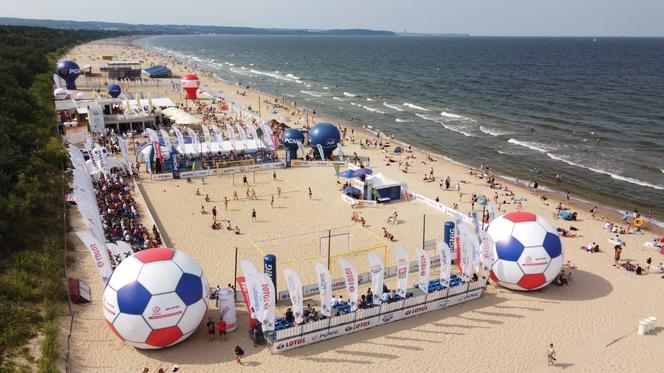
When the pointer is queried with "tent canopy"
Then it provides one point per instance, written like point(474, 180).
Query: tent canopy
point(379, 181)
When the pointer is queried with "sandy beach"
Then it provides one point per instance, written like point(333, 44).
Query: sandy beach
point(592, 321)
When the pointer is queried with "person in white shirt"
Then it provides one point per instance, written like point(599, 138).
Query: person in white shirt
point(335, 301)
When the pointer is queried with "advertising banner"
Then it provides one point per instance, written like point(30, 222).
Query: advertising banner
point(424, 269)
point(350, 278)
point(324, 288)
point(445, 255)
point(402, 271)
point(267, 297)
point(377, 277)
point(294, 284)
point(99, 254)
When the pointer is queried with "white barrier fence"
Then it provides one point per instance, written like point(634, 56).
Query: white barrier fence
point(358, 202)
point(222, 171)
point(386, 313)
point(364, 277)
point(439, 206)
point(298, 163)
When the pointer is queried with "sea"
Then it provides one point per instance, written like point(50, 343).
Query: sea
point(588, 109)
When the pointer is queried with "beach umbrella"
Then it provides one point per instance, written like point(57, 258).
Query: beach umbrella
point(347, 174)
point(362, 171)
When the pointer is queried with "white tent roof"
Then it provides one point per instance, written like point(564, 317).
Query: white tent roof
point(380, 180)
point(224, 147)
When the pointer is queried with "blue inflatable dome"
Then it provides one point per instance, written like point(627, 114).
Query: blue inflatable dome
point(69, 71)
point(291, 137)
point(114, 90)
point(325, 134)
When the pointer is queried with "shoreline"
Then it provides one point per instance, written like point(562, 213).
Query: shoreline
point(605, 209)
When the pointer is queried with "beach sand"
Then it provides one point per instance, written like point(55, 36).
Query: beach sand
point(592, 322)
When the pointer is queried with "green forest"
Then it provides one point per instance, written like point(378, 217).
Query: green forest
point(32, 223)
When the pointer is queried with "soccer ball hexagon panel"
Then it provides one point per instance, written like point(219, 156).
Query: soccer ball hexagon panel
point(528, 251)
point(156, 299)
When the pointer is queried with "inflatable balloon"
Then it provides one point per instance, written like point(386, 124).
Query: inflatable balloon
point(292, 138)
point(528, 251)
point(60, 94)
point(114, 90)
point(68, 71)
point(326, 135)
point(190, 84)
point(156, 298)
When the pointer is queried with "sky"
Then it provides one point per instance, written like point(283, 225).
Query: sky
point(476, 17)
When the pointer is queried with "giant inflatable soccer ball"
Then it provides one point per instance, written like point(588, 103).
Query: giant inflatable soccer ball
point(156, 298)
point(527, 251)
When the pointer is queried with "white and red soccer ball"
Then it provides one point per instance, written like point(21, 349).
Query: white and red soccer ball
point(156, 298)
point(527, 251)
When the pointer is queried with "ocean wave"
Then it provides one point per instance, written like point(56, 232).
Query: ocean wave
point(236, 71)
point(492, 131)
point(456, 129)
point(369, 99)
point(312, 93)
point(326, 88)
point(337, 98)
point(395, 107)
point(604, 172)
point(456, 116)
point(427, 118)
point(293, 77)
point(373, 110)
point(274, 75)
point(399, 120)
point(530, 145)
point(406, 104)
point(349, 94)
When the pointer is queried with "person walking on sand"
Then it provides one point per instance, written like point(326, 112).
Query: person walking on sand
point(274, 175)
point(239, 353)
point(310, 194)
point(279, 192)
point(551, 355)
point(235, 197)
point(272, 201)
point(617, 251)
point(253, 214)
point(244, 180)
point(225, 203)
point(214, 213)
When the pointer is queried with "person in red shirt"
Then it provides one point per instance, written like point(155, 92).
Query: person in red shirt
point(221, 325)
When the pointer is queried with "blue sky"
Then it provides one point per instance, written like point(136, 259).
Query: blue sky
point(477, 17)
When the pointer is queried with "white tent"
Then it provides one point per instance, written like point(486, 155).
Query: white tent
point(214, 147)
point(386, 188)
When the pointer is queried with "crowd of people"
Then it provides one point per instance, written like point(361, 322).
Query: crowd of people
point(120, 217)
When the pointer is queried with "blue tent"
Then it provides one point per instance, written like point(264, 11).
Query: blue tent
point(347, 174)
point(157, 71)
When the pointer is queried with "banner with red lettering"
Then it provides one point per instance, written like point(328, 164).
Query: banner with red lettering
point(424, 265)
point(402, 271)
point(267, 297)
point(350, 278)
point(325, 289)
point(294, 284)
point(253, 289)
point(99, 254)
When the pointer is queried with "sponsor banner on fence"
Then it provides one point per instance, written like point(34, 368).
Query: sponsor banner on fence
point(162, 176)
point(297, 163)
point(200, 173)
point(186, 174)
point(381, 319)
